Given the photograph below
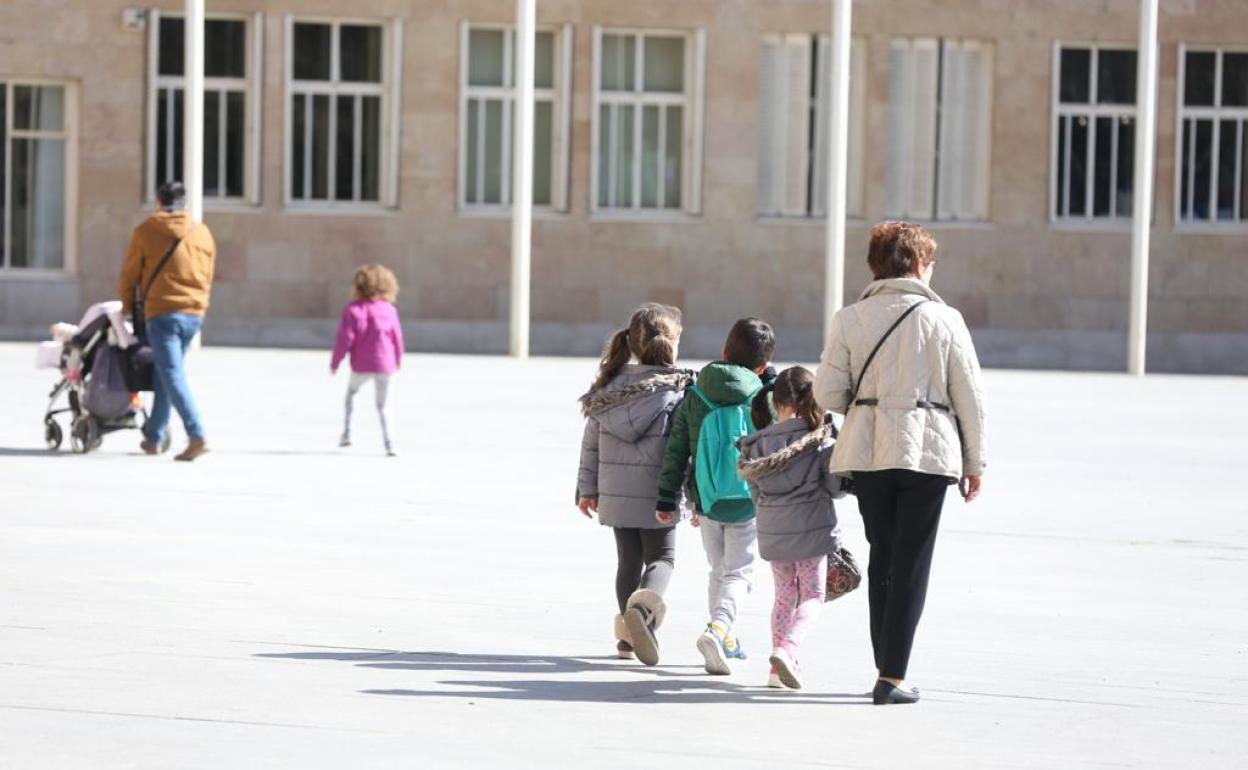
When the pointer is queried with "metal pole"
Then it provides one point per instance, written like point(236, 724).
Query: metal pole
point(522, 178)
point(838, 152)
point(193, 111)
point(1146, 137)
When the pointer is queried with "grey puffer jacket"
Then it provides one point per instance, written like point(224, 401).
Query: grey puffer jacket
point(786, 466)
point(625, 435)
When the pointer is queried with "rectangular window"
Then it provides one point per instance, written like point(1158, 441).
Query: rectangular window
point(793, 124)
point(35, 172)
point(647, 121)
point(231, 98)
point(1213, 136)
point(1094, 133)
point(939, 129)
point(342, 97)
point(487, 104)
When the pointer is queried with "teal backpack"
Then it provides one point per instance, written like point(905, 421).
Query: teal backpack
point(715, 465)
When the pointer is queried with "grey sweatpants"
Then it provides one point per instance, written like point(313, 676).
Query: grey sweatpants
point(381, 389)
point(731, 550)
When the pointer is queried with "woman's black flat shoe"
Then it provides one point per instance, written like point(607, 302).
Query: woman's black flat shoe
point(886, 694)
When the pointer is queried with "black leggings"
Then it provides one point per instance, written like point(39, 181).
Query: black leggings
point(646, 560)
point(900, 512)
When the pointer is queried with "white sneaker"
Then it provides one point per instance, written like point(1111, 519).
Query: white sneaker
point(786, 669)
point(344, 441)
point(711, 646)
point(773, 680)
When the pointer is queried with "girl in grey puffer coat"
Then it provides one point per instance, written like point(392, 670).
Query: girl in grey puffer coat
point(629, 414)
point(786, 467)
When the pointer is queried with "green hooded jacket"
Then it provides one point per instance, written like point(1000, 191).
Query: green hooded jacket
point(725, 384)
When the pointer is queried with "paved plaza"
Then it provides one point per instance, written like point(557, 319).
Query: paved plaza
point(285, 603)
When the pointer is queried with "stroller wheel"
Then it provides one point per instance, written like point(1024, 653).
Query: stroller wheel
point(52, 435)
point(85, 435)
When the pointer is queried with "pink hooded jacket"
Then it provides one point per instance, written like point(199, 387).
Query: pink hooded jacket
point(370, 331)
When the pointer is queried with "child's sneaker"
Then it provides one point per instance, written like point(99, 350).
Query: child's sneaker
point(642, 617)
point(623, 650)
point(344, 441)
point(713, 644)
point(773, 680)
point(624, 640)
point(786, 668)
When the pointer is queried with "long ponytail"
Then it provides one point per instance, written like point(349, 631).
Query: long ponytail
point(614, 358)
point(795, 389)
point(760, 407)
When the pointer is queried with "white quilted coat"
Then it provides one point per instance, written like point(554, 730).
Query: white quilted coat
point(930, 357)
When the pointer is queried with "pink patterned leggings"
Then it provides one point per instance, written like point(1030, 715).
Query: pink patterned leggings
point(800, 587)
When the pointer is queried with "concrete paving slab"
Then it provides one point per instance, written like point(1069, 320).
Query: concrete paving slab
point(284, 603)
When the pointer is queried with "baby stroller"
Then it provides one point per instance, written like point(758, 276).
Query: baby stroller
point(92, 358)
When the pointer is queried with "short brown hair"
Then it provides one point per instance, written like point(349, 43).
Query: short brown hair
point(899, 249)
point(376, 281)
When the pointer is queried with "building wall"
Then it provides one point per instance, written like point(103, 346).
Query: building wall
point(1036, 294)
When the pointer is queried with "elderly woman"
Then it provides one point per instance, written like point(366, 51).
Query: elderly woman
point(901, 367)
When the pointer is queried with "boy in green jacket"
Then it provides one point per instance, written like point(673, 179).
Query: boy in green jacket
point(729, 535)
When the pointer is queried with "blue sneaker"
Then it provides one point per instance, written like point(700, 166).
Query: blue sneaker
point(717, 648)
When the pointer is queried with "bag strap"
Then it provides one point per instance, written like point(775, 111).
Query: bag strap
point(853, 395)
point(161, 265)
point(695, 390)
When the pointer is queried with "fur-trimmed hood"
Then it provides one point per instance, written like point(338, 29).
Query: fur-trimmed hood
point(632, 401)
point(753, 469)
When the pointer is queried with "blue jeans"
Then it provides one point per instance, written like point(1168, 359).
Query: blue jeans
point(170, 335)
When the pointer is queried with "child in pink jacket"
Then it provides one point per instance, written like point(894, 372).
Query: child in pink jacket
point(371, 333)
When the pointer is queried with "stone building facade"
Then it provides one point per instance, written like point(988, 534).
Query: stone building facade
point(680, 162)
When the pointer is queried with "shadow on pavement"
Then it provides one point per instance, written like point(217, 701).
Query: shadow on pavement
point(663, 684)
point(13, 452)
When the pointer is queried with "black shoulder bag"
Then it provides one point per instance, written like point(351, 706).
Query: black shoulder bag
point(138, 368)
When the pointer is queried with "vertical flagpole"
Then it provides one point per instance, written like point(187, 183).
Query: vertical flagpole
point(522, 178)
point(1146, 136)
point(838, 156)
point(193, 111)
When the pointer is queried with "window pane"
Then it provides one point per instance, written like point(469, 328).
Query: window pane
point(665, 64)
point(1115, 77)
point(4, 138)
point(298, 152)
point(320, 146)
point(1203, 168)
point(370, 150)
point(38, 200)
point(485, 57)
point(604, 154)
point(624, 157)
point(312, 51)
point(1076, 70)
point(1063, 140)
point(225, 48)
point(175, 97)
point(471, 192)
point(493, 192)
point(212, 136)
point(1198, 78)
point(1227, 146)
point(543, 152)
point(162, 136)
point(1102, 166)
point(650, 156)
point(39, 108)
point(1185, 211)
point(344, 157)
point(235, 144)
point(1078, 166)
point(1235, 80)
point(360, 52)
point(170, 59)
point(619, 59)
point(673, 169)
point(1126, 166)
point(1243, 174)
point(544, 61)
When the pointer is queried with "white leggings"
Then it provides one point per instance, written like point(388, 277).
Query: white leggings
point(381, 388)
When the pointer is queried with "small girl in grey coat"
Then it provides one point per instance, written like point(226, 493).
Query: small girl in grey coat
point(786, 466)
point(628, 414)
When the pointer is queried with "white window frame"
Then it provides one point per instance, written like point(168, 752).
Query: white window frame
point(1185, 166)
point(389, 90)
point(1092, 110)
point(69, 134)
point(819, 113)
point(250, 84)
point(945, 178)
point(559, 95)
point(693, 103)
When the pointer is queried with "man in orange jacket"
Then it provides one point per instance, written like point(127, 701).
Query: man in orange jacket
point(174, 292)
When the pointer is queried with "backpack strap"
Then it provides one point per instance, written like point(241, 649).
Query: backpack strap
point(853, 395)
point(695, 390)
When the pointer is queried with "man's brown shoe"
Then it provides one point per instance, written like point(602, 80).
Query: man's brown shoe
point(194, 448)
point(149, 448)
